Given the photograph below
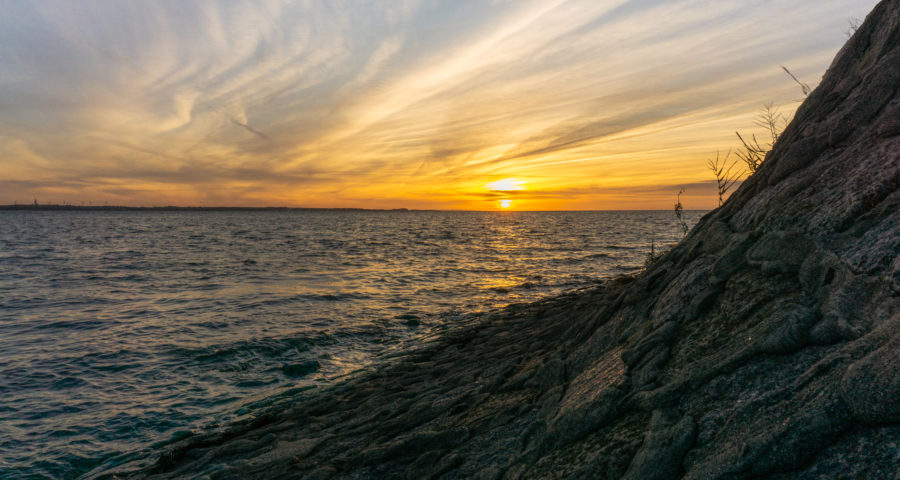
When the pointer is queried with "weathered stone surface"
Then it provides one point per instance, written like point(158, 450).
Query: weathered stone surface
point(892, 276)
point(871, 386)
point(781, 252)
point(765, 345)
point(668, 439)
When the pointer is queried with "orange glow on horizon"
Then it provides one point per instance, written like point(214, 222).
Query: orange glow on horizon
point(516, 110)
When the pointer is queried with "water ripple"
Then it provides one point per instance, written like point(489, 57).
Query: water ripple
point(119, 330)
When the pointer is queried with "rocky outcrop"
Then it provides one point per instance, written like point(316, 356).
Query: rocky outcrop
point(765, 345)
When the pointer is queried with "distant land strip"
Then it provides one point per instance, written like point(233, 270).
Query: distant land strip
point(120, 208)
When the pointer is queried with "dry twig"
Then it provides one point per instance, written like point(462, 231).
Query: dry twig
point(724, 172)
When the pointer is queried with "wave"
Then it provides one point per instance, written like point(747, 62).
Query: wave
point(267, 348)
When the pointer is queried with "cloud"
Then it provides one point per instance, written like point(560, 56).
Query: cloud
point(367, 102)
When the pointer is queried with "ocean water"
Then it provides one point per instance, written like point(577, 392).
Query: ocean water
point(123, 330)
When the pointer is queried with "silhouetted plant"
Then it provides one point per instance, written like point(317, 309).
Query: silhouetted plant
point(651, 255)
point(724, 173)
point(654, 254)
point(772, 120)
point(852, 26)
point(752, 153)
point(679, 213)
point(803, 86)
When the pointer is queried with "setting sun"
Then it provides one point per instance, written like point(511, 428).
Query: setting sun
point(505, 203)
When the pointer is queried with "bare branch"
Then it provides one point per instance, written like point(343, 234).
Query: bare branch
point(803, 86)
point(852, 26)
point(679, 213)
point(770, 119)
point(724, 173)
point(752, 155)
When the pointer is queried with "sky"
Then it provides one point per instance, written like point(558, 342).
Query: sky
point(425, 104)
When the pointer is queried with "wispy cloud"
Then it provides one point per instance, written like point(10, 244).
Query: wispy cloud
point(391, 103)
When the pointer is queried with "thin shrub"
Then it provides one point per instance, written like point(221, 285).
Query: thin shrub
point(724, 173)
point(679, 214)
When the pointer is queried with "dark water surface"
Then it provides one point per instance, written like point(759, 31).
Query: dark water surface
point(122, 329)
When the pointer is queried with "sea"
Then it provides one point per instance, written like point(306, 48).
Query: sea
point(121, 331)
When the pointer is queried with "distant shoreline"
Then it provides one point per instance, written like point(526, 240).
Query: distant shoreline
point(121, 208)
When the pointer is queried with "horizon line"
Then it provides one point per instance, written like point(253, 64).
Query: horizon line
point(69, 207)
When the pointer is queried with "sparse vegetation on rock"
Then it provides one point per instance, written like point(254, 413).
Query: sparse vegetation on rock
point(751, 153)
point(679, 214)
point(725, 173)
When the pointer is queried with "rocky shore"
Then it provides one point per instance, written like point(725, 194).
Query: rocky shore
point(765, 345)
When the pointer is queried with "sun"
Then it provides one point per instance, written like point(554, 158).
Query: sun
point(505, 203)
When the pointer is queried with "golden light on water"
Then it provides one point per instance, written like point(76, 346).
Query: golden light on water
point(505, 203)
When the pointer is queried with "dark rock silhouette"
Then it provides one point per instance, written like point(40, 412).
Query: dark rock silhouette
point(765, 345)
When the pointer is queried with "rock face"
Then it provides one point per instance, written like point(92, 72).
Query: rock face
point(765, 345)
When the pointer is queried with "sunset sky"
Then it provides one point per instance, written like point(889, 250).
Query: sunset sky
point(544, 104)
